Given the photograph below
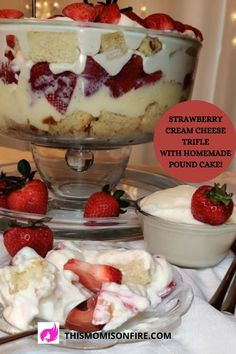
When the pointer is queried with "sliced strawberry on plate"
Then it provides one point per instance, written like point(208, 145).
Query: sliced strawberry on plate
point(134, 17)
point(160, 22)
point(80, 318)
point(109, 14)
point(11, 13)
point(92, 276)
point(58, 89)
point(80, 12)
point(196, 31)
point(126, 79)
point(35, 235)
point(95, 76)
point(179, 26)
point(212, 205)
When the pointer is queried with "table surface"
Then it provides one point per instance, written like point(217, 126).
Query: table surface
point(203, 330)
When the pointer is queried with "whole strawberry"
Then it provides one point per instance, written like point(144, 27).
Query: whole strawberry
point(35, 235)
point(212, 205)
point(25, 193)
point(3, 196)
point(103, 204)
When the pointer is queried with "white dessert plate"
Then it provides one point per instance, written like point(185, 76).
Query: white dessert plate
point(70, 223)
point(164, 318)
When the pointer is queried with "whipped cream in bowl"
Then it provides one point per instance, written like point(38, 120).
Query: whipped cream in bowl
point(169, 228)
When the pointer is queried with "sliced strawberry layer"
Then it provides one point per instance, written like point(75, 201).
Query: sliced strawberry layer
point(92, 276)
point(11, 13)
point(11, 41)
point(95, 75)
point(179, 26)
point(131, 76)
point(81, 317)
point(7, 75)
point(58, 89)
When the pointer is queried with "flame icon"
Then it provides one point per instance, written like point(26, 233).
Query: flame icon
point(49, 334)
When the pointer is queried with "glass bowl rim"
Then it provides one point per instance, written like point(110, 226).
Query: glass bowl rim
point(57, 24)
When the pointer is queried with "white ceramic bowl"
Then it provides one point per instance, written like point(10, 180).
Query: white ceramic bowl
point(186, 245)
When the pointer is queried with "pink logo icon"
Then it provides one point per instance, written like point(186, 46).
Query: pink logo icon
point(48, 332)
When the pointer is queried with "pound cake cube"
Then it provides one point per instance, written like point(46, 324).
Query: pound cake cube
point(53, 47)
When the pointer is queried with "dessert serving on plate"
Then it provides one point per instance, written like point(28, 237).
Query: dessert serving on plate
point(94, 72)
point(83, 288)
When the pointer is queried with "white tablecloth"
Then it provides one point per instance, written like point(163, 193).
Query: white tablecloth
point(203, 330)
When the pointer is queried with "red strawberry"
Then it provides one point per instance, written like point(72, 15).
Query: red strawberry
point(58, 89)
point(91, 276)
point(11, 41)
point(103, 204)
point(95, 76)
point(7, 75)
point(212, 205)
point(126, 79)
point(80, 12)
point(11, 13)
point(147, 79)
point(160, 22)
point(109, 14)
point(133, 16)
point(40, 238)
point(3, 196)
point(196, 31)
point(179, 26)
point(81, 317)
point(98, 8)
point(32, 198)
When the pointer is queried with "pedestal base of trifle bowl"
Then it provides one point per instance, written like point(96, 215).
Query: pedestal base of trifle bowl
point(67, 219)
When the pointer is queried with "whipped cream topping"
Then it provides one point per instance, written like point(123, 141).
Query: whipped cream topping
point(116, 304)
point(33, 287)
point(174, 204)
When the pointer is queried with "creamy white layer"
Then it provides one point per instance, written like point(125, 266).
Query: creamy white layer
point(174, 204)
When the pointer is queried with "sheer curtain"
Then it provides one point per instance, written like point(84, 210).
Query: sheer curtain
point(216, 75)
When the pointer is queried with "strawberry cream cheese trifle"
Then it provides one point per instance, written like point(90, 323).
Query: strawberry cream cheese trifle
point(93, 72)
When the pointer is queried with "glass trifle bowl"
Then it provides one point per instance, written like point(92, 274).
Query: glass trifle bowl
point(81, 86)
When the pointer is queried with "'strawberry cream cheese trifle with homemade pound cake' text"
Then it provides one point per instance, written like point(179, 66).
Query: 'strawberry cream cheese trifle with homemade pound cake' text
point(93, 72)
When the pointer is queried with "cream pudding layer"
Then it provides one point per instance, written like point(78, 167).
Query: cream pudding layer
point(117, 104)
point(35, 288)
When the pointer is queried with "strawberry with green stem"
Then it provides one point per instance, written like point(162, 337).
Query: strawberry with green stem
point(212, 205)
point(105, 204)
point(23, 193)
